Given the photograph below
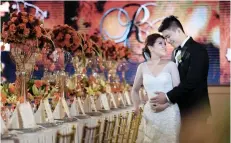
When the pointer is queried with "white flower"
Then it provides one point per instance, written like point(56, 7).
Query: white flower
point(179, 58)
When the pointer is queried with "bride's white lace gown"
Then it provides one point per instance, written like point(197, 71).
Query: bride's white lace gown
point(161, 127)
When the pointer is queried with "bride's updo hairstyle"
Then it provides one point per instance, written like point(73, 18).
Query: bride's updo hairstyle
point(150, 40)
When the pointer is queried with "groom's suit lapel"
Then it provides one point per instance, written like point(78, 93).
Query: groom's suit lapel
point(173, 56)
point(184, 52)
point(185, 55)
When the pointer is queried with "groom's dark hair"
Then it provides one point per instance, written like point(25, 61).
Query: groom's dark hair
point(170, 22)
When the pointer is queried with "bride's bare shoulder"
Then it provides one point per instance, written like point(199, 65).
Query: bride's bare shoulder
point(141, 64)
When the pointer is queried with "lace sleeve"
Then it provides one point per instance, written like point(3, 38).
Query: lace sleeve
point(136, 86)
point(175, 74)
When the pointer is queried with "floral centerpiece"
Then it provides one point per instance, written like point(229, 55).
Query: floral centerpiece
point(95, 87)
point(45, 42)
point(21, 27)
point(22, 32)
point(9, 93)
point(88, 46)
point(115, 52)
point(44, 57)
point(109, 54)
point(102, 85)
point(109, 50)
point(66, 38)
point(37, 88)
point(8, 100)
point(40, 89)
point(81, 84)
point(76, 86)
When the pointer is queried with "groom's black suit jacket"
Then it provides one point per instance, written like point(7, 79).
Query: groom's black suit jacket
point(192, 92)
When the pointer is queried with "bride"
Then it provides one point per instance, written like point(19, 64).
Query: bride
point(157, 75)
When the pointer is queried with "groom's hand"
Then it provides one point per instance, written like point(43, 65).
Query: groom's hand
point(159, 107)
point(160, 98)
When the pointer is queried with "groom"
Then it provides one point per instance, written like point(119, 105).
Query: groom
point(191, 94)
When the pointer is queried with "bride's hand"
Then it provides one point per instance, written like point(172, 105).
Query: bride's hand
point(136, 111)
point(159, 107)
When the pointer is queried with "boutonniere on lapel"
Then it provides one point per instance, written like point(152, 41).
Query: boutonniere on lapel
point(179, 58)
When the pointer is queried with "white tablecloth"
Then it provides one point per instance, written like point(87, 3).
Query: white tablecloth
point(49, 135)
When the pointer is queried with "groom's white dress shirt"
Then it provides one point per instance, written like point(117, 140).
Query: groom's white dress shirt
point(179, 51)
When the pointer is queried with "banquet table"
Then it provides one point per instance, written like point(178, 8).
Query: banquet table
point(48, 135)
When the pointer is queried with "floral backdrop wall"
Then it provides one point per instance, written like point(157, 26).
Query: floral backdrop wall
point(206, 21)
